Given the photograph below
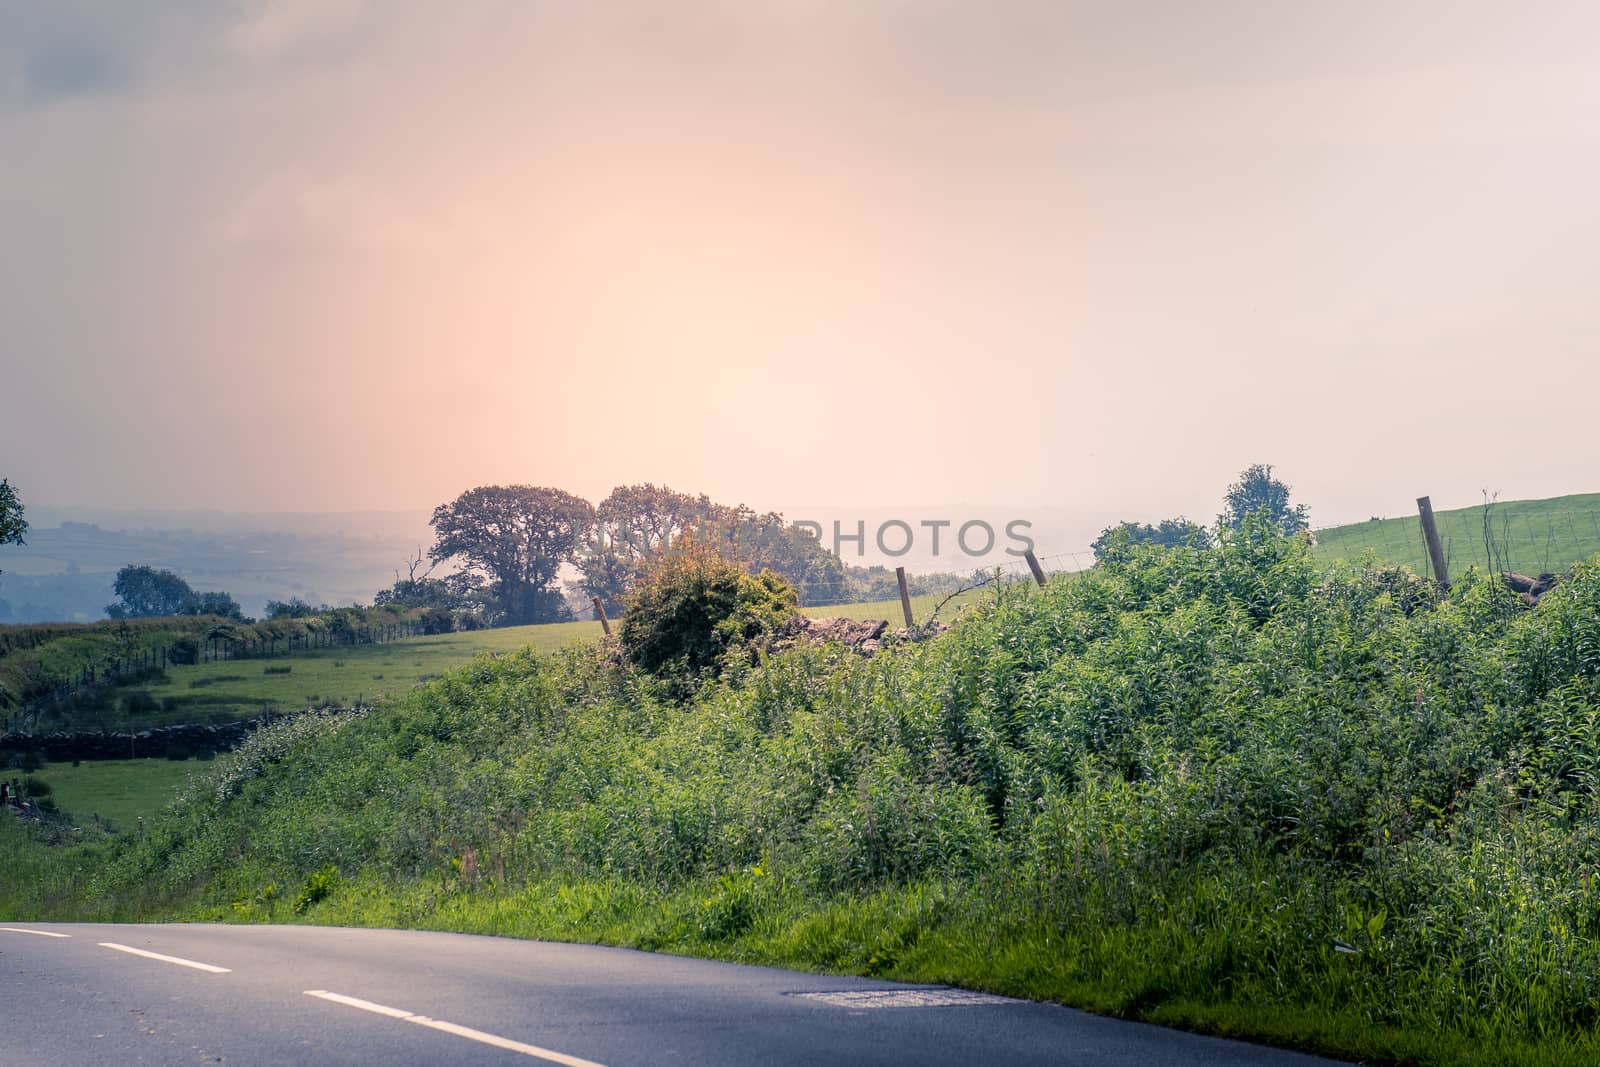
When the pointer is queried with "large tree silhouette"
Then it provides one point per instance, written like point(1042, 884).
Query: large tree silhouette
point(518, 536)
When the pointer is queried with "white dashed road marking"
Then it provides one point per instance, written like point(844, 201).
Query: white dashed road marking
point(357, 1002)
point(904, 998)
point(180, 961)
point(451, 1028)
point(38, 933)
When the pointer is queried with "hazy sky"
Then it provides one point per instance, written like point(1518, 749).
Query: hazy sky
point(328, 255)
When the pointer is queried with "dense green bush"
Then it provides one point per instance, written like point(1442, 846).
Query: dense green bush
point(437, 621)
point(1213, 786)
point(694, 606)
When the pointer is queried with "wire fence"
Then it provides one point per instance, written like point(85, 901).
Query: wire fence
point(934, 602)
point(1512, 537)
point(1498, 537)
point(825, 592)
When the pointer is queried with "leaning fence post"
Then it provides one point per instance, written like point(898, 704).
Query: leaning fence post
point(905, 596)
point(1430, 533)
point(1033, 565)
point(600, 613)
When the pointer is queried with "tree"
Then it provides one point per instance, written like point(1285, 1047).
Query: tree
point(763, 541)
point(453, 592)
point(220, 604)
point(12, 524)
point(145, 592)
point(1170, 533)
point(642, 519)
point(637, 523)
point(631, 525)
point(519, 536)
point(1258, 491)
point(293, 608)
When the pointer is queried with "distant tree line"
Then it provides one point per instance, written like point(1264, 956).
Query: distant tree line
point(511, 543)
point(1256, 492)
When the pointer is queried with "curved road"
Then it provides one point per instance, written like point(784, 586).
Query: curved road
point(92, 994)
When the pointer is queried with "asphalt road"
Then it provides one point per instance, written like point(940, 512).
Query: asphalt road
point(315, 995)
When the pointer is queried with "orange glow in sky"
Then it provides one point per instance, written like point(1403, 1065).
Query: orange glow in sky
point(328, 256)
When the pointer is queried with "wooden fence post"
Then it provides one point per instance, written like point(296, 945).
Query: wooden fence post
point(600, 613)
point(1430, 533)
point(905, 596)
point(1033, 565)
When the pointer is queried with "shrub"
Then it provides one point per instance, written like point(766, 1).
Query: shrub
point(184, 652)
point(438, 621)
point(273, 743)
point(318, 886)
point(694, 607)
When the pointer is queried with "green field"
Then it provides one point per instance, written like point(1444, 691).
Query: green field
point(369, 673)
point(1530, 536)
point(234, 689)
point(122, 791)
point(373, 672)
point(119, 791)
point(336, 676)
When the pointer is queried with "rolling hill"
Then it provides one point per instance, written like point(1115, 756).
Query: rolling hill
point(1524, 535)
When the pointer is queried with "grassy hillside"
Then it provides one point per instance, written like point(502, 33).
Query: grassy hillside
point(1528, 535)
point(1228, 789)
point(333, 676)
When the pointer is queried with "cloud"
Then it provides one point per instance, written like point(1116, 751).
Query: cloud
point(271, 29)
point(52, 52)
point(67, 49)
point(73, 68)
point(297, 210)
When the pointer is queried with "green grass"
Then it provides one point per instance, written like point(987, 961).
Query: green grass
point(1530, 536)
point(339, 677)
point(120, 791)
point(242, 688)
